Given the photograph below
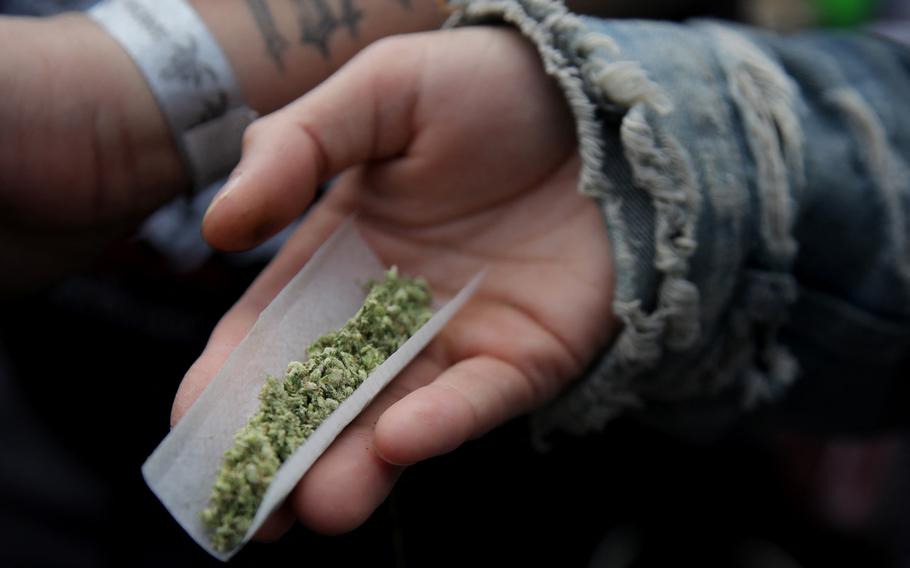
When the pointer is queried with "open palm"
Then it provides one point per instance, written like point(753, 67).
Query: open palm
point(457, 153)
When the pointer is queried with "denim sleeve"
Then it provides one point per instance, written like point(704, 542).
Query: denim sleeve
point(756, 191)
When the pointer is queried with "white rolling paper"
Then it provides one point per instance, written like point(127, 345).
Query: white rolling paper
point(322, 297)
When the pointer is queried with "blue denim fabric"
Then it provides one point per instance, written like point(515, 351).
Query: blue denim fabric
point(757, 194)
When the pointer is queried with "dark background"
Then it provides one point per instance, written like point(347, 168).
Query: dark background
point(89, 367)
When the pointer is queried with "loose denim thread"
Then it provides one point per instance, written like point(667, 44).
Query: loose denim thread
point(661, 167)
point(766, 99)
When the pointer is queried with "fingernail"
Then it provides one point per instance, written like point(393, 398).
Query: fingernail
point(224, 191)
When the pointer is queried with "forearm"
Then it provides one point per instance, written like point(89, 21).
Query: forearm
point(86, 150)
point(279, 49)
point(78, 122)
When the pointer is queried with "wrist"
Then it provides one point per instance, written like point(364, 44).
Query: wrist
point(136, 163)
point(273, 60)
point(84, 151)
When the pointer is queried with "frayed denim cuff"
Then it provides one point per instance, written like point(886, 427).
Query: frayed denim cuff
point(667, 125)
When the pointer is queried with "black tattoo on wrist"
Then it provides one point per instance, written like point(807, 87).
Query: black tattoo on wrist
point(350, 17)
point(275, 43)
point(317, 23)
point(406, 4)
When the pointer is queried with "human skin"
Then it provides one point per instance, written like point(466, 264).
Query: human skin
point(85, 153)
point(458, 153)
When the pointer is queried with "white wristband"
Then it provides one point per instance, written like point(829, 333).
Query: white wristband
point(189, 76)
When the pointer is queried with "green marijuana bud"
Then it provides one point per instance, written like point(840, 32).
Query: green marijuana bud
point(291, 409)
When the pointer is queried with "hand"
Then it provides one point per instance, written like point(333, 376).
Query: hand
point(457, 152)
point(84, 151)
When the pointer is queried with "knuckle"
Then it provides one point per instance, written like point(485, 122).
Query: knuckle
point(389, 46)
point(254, 130)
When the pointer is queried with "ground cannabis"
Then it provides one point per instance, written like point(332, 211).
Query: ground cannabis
point(291, 409)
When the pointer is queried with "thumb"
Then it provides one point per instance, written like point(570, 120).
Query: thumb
point(361, 113)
